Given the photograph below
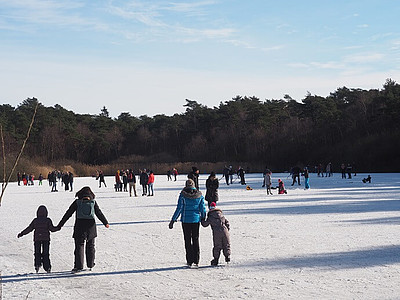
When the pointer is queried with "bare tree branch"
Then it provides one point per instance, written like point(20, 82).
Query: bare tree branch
point(5, 183)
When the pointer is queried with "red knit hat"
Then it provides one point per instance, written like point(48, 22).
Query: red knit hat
point(213, 205)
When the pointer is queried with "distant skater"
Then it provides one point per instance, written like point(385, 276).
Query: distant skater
point(101, 179)
point(267, 182)
point(212, 185)
point(368, 179)
point(281, 187)
point(295, 174)
point(306, 175)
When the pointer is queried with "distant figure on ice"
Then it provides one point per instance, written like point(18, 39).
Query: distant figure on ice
point(225, 172)
point(85, 208)
point(70, 180)
point(118, 182)
point(143, 179)
point(328, 170)
point(169, 177)
point(194, 175)
point(101, 179)
point(192, 209)
point(306, 175)
point(266, 171)
point(40, 179)
point(231, 174)
point(220, 229)
point(150, 184)
point(19, 178)
point(42, 225)
point(343, 170)
point(267, 182)
point(125, 180)
point(281, 187)
point(349, 169)
point(132, 183)
point(240, 173)
point(212, 185)
point(175, 173)
point(65, 180)
point(295, 171)
point(53, 180)
point(368, 179)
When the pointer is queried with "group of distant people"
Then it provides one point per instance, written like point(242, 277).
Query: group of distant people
point(65, 178)
point(28, 179)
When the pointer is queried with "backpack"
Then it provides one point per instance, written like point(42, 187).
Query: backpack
point(85, 209)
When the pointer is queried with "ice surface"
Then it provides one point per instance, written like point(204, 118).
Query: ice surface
point(338, 240)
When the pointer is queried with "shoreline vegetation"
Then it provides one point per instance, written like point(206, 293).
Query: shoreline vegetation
point(350, 126)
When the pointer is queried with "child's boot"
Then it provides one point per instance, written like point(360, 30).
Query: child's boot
point(227, 259)
point(214, 262)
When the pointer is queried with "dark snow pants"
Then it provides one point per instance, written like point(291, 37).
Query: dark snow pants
point(221, 242)
point(42, 254)
point(191, 236)
point(79, 253)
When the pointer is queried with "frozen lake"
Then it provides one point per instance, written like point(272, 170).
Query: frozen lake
point(338, 240)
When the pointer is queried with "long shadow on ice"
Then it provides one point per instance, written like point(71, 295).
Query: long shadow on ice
point(68, 274)
point(388, 221)
point(377, 256)
point(342, 208)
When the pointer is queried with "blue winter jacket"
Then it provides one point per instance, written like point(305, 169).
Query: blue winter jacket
point(190, 206)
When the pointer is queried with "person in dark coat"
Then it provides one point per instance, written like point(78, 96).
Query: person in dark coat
point(125, 180)
point(144, 178)
point(70, 180)
point(101, 179)
point(42, 225)
point(85, 208)
point(220, 229)
point(53, 180)
point(212, 185)
point(194, 175)
point(240, 173)
point(65, 180)
point(225, 172)
point(19, 178)
point(295, 171)
point(132, 182)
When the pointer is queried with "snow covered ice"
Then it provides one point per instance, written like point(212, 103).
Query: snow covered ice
point(338, 240)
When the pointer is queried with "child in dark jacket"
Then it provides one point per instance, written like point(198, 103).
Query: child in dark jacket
point(42, 225)
point(220, 229)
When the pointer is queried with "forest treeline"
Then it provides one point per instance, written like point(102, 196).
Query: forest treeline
point(348, 126)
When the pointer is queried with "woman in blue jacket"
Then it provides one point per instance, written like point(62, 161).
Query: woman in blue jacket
point(192, 210)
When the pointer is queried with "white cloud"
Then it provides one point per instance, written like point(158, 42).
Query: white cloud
point(364, 58)
point(273, 48)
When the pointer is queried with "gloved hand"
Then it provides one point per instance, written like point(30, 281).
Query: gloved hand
point(171, 224)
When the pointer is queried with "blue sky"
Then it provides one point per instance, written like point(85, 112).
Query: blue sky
point(147, 57)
